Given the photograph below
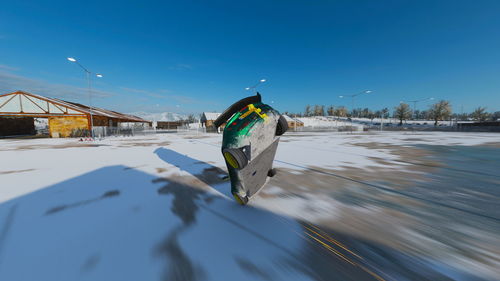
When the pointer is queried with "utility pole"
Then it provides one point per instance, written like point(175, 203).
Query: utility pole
point(352, 103)
point(415, 105)
point(88, 73)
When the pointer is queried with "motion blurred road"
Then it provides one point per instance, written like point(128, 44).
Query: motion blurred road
point(385, 206)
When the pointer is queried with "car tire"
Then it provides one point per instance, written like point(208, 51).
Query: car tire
point(235, 157)
point(271, 173)
point(282, 126)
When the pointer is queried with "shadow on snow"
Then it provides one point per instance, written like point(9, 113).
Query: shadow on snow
point(118, 223)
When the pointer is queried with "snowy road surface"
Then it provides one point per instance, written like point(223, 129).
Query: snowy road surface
point(385, 206)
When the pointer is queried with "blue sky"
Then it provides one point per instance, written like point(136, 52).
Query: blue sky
point(193, 56)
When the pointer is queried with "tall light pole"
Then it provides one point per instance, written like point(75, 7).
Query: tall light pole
point(88, 73)
point(415, 104)
point(256, 85)
point(353, 96)
point(352, 102)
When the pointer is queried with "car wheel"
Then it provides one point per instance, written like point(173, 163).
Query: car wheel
point(282, 126)
point(271, 173)
point(235, 157)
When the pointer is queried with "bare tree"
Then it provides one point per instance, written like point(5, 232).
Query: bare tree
point(462, 116)
point(402, 112)
point(355, 112)
point(385, 113)
point(440, 111)
point(495, 116)
point(319, 110)
point(191, 118)
point(480, 114)
point(417, 114)
point(331, 110)
point(307, 111)
point(370, 115)
point(365, 113)
point(424, 114)
point(341, 111)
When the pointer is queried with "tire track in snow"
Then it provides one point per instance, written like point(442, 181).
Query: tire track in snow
point(386, 189)
point(401, 161)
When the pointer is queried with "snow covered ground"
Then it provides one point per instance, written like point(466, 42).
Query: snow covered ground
point(395, 121)
point(334, 121)
point(343, 206)
point(321, 121)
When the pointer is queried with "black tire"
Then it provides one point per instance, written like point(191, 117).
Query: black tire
point(234, 108)
point(235, 157)
point(282, 126)
point(271, 173)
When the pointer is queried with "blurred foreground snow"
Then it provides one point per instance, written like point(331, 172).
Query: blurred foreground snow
point(342, 207)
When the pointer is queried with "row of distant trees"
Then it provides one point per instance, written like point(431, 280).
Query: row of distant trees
point(442, 111)
point(439, 111)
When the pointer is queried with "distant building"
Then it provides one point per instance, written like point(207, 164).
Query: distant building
point(293, 122)
point(171, 125)
point(65, 119)
point(207, 119)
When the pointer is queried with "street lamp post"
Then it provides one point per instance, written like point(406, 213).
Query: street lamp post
point(352, 102)
point(88, 73)
point(353, 96)
point(415, 104)
point(256, 85)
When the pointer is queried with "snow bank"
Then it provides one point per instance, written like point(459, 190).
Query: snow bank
point(161, 116)
point(326, 122)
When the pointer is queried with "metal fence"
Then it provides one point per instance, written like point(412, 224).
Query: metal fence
point(101, 132)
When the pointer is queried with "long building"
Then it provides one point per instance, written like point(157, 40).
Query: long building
point(64, 117)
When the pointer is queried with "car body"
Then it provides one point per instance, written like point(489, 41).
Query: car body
point(249, 143)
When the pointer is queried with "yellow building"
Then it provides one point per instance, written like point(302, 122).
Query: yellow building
point(65, 119)
point(293, 122)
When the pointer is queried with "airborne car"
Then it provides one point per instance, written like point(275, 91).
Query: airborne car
point(249, 144)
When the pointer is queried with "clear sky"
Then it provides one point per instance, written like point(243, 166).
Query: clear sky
point(193, 56)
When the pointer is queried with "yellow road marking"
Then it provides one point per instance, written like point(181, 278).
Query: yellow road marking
point(331, 249)
point(328, 247)
point(328, 238)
